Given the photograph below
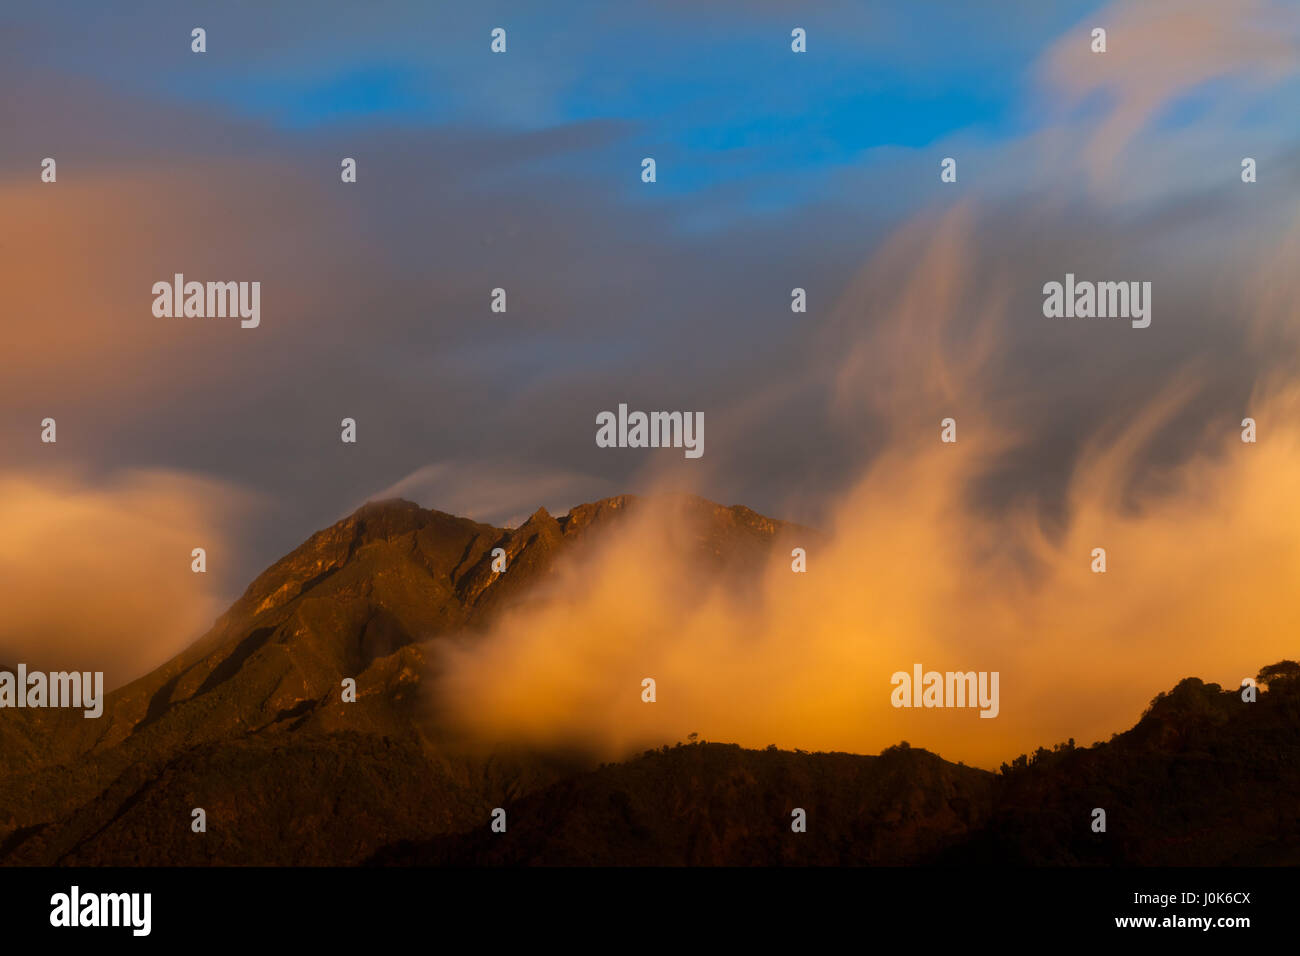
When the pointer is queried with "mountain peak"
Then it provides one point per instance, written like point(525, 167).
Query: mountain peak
point(387, 518)
point(539, 517)
point(252, 714)
point(382, 505)
point(364, 598)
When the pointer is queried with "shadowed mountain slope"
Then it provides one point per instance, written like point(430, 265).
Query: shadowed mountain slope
point(365, 599)
point(248, 724)
point(1203, 779)
point(719, 804)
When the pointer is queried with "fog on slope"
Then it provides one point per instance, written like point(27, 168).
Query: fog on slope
point(1202, 560)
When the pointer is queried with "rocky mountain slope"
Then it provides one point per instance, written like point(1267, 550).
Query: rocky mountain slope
point(248, 723)
point(1202, 779)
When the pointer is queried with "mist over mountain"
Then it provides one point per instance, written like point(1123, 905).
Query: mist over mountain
point(249, 722)
point(250, 725)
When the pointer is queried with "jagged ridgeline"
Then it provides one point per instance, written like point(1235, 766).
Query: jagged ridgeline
point(251, 718)
point(248, 723)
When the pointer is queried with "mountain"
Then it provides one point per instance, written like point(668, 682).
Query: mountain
point(248, 724)
point(1202, 779)
point(719, 804)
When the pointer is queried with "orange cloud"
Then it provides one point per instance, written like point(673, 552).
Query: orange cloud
point(1202, 565)
point(97, 576)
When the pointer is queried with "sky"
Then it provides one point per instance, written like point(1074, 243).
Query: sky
point(522, 170)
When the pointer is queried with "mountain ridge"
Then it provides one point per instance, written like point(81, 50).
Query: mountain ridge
point(247, 722)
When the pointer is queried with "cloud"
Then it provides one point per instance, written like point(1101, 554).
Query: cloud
point(1160, 50)
point(375, 295)
point(494, 492)
point(1202, 559)
point(96, 574)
